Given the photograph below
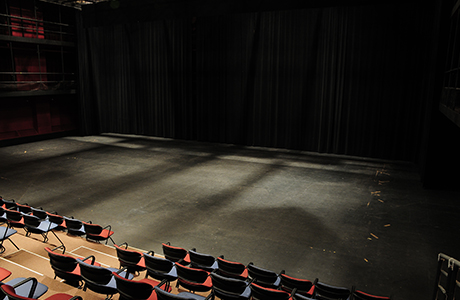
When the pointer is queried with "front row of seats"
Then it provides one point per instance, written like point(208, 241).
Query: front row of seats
point(259, 284)
point(226, 279)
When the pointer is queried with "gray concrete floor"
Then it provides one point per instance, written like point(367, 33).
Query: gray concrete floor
point(347, 221)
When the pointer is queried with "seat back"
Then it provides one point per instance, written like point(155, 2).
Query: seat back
point(3, 217)
point(8, 204)
point(227, 287)
point(163, 295)
point(31, 221)
point(56, 219)
point(262, 276)
point(263, 293)
point(172, 253)
point(40, 213)
point(94, 274)
point(61, 262)
point(191, 275)
point(158, 264)
point(13, 215)
point(24, 208)
point(201, 259)
point(289, 283)
point(73, 224)
point(231, 268)
point(127, 257)
point(92, 229)
point(326, 291)
point(130, 289)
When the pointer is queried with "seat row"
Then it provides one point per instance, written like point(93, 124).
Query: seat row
point(195, 272)
point(38, 221)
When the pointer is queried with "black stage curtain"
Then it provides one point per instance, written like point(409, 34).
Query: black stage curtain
point(137, 78)
point(343, 80)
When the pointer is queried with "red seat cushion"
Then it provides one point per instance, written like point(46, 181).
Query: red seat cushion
point(154, 283)
point(105, 233)
point(59, 296)
point(369, 296)
point(4, 273)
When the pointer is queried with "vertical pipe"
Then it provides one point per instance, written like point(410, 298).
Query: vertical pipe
point(10, 44)
point(36, 19)
point(39, 63)
point(62, 47)
point(8, 18)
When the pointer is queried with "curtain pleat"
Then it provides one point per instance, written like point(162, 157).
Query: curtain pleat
point(343, 80)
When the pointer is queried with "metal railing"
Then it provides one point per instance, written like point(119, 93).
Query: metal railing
point(447, 284)
point(39, 28)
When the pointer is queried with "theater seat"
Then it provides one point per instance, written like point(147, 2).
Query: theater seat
point(226, 288)
point(160, 268)
point(137, 289)
point(66, 267)
point(100, 280)
point(202, 261)
point(132, 260)
point(195, 280)
point(264, 277)
point(5, 234)
point(57, 219)
point(176, 254)
point(231, 269)
point(15, 293)
point(23, 287)
point(34, 224)
point(301, 286)
point(98, 233)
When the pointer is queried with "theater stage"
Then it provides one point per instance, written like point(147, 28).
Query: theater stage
point(344, 220)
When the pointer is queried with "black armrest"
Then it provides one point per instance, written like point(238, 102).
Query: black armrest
point(125, 243)
point(151, 252)
point(123, 270)
point(109, 227)
point(210, 296)
point(59, 247)
point(93, 259)
point(164, 281)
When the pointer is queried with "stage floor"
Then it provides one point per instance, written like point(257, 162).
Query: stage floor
point(346, 221)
